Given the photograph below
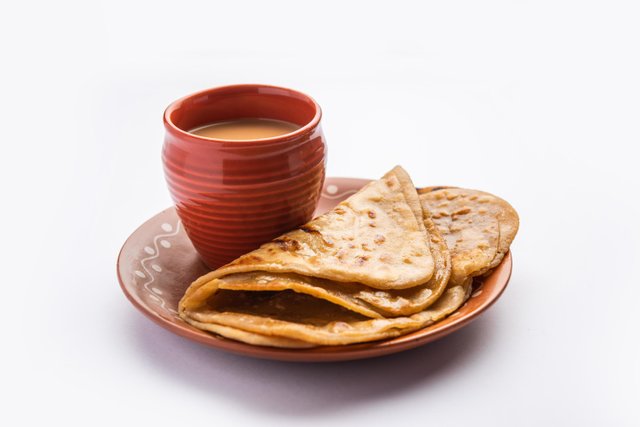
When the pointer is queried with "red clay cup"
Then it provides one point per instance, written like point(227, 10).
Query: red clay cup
point(232, 196)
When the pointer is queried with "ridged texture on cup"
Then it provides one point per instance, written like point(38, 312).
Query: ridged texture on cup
point(234, 195)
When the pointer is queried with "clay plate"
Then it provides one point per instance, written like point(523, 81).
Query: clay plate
point(158, 262)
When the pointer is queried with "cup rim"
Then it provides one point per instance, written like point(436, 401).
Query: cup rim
point(287, 136)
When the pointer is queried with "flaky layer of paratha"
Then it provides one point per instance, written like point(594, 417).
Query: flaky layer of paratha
point(477, 226)
point(289, 320)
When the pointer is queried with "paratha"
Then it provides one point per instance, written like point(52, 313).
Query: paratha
point(376, 237)
point(477, 226)
point(281, 327)
point(383, 263)
point(375, 255)
point(390, 235)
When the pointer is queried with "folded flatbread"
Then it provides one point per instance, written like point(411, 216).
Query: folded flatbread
point(366, 270)
point(281, 321)
point(376, 237)
point(477, 226)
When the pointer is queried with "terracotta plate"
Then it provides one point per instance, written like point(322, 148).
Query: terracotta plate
point(157, 263)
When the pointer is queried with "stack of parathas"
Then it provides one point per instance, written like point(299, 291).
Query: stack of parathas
point(387, 261)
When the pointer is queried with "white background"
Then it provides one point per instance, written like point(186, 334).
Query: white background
point(537, 102)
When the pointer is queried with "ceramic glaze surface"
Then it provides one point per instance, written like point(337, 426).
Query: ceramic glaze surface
point(233, 195)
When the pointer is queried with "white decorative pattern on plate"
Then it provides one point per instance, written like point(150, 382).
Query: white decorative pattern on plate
point(153, 250)
point(332, 192)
